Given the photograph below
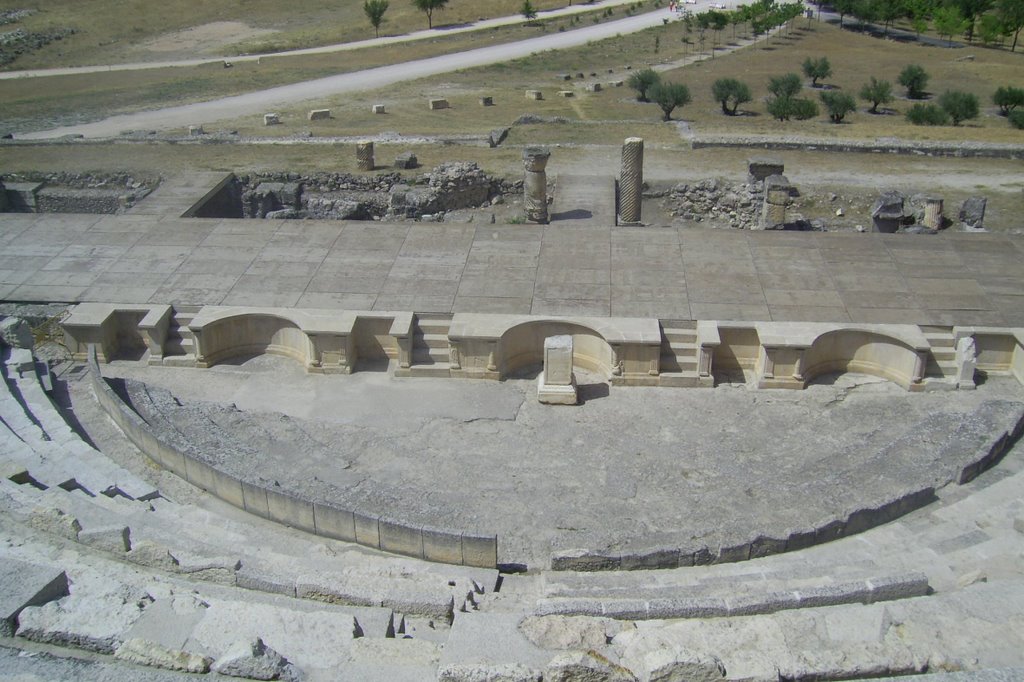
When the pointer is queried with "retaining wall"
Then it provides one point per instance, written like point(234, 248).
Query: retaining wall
point(319, 518)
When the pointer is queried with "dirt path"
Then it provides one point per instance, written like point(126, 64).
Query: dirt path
point(200, 31)
point(266, 100)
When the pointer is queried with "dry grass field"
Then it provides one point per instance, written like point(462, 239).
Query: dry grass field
point(112, 31)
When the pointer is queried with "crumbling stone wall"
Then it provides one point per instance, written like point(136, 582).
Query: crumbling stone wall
point(340, 196)
point(66, 192)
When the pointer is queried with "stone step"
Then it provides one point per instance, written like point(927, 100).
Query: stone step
point(434, 323)
point(436, 369)
point(728, 601)
point(426, 355)
point(680, 379)
point(432, 340)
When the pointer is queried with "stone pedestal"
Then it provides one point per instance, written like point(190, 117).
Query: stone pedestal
point(436, 104)
point(534, 95)
point(631, 181)
point(379, 109)
point(364, 156)
point(271, 119)
point(487, 101)
point(535, 184)
point(777, 191)
point(933, 213)
point(319, 114)
point(556, 384)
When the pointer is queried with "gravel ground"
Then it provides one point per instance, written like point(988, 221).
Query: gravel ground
point(628, 468)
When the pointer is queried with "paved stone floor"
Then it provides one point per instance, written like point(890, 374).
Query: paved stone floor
point(559, 269)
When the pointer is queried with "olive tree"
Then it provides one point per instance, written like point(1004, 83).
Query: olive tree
point(731, 93)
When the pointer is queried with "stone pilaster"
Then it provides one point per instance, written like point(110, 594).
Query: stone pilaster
point(535, 184)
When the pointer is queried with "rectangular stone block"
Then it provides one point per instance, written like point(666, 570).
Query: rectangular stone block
point(594, 87)
point(201, 475)
point(367, 529)
point(651, 559)
point(23, 584)
point(116, 539)
point(401, 539)
point(442, 546)
point(684, 607)
point(228, 488)
point(436, 104)
point(334, 522)
point(480, 550)
point(378, 109)
point(558, 360)
point(624, 609)
point(487, 101)
point(256, 579)
point(291, 511)
point(901, 586)
point(584, 560)
point(319, 114)
point(254, 500)
point(760, 167)
point(566, 93)
point(830, 595)
point(171, 458)
point(755, 604)
point(271, 119)
point(534, 95)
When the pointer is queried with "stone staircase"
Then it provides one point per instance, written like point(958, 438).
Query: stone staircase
point(679, 354)
point(180, 347)
point(941, 368)
point(430, 345)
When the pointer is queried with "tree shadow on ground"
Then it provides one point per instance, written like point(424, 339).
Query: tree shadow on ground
point(574, 214)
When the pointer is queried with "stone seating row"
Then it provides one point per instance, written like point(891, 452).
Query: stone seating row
point(37, 437)
point(319, 518)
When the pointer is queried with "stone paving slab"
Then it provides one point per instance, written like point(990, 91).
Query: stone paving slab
point(557, 269)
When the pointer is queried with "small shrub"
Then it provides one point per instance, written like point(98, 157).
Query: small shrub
point(642, 81)
point(731, 93)
point(1008, 99)
point(877, 92)
point(914, 78)
point(804, 109)
point(785, 108)
point(927, 115)
point(960, 106)
point(816, 69)
point(668, 96)
point(1017, 119)
point(838, 104)
point(785, 86)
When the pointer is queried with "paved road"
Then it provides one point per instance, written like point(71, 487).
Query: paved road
point(267, 100)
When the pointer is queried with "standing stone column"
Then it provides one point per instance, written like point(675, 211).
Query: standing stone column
point(933, 213)
point(631, 181)
point(364, 156)
point(776, 198)
point(535, 184)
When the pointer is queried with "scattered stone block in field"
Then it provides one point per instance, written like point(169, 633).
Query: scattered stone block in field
point(406, 160)
point(566, 93)
point(615, 84)
point(364, 156)
point(194, 131)
point(319, 114)
point(487, 101)
point(594, 87)
point(497, 136)
point(972, 213)
point(760, 167)
point(436, 104)
point(534, 94)
point(271, 119)
point(565, 76)
point(379, 109)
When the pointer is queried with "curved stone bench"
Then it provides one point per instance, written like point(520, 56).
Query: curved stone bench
point(320, 518)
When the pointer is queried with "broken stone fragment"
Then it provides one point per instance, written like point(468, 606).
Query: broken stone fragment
point(254, 660)
point(144, 652)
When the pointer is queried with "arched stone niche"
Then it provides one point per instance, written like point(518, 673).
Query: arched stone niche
point(872, 352)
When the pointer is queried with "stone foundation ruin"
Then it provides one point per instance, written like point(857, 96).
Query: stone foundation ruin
point(72, 192)
point(342, 196)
